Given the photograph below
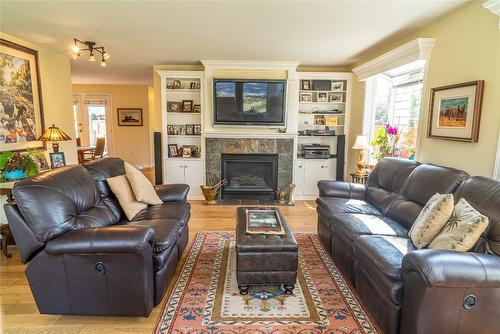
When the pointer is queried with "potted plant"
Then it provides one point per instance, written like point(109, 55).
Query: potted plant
point(15, 166)
point(386, 142)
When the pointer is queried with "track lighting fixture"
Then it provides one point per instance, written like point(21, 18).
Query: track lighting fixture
point(91, 47)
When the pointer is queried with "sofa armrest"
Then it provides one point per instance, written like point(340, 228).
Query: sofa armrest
point(342, 189)
point(173, 192)
point(438, 268)
point(109, 239)
point(466, 286)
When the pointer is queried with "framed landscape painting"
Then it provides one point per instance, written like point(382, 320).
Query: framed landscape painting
point(130, 117)
point(455, 111)
point(21, 111)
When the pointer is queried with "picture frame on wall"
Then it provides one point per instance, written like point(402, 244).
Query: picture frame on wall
point(174, 106)
point(455, 111)
point(173, 151)
point(57, 160)
point(130, 116)
point(21, 113)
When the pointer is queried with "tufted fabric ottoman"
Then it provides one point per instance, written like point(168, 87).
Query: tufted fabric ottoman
point(265, 259)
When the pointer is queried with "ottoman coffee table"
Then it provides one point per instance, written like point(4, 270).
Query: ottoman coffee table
point(266, 250)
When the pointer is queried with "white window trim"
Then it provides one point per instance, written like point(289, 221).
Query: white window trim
point(418, 49)
point(496, 170)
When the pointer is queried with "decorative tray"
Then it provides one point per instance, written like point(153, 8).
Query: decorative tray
point(264, 221)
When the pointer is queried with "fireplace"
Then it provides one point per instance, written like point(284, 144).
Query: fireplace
point(249, 176)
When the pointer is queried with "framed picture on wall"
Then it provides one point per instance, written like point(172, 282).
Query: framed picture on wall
point(130, 117)
point(455, 111)
point(21, 110)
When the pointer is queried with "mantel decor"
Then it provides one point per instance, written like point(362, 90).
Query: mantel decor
point(21, 111)
point(455, 111)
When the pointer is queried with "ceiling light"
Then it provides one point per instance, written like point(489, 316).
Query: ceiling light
point(91, 48)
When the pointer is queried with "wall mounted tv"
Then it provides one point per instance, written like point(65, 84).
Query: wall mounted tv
point(249, 102)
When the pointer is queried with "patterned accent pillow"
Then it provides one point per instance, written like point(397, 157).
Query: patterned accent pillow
point(431, 219)
point(463, 229)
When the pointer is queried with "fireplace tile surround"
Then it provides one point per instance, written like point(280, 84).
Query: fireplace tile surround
point(214, 147)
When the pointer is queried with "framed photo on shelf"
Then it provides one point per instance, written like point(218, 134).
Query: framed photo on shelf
point(170, 130)
point(305, 84)
point(174, 106)
point(336, 97)
point(41, 161)
point(322, 97)
point(177, 84)
point(21, 96)
point(173, 150)
point(190, 129)
point(197, 108)
point(177, 129)
point(170, 85)
point(187, 105)
point(305, 97)
point(455, 111)
point(197, 129)
point(130, 117)
point(57, 160)
point(338, 86)
point(186, 152)
point(182, 130)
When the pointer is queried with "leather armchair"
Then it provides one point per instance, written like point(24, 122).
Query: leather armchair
point(341, 189)
point(445, 290)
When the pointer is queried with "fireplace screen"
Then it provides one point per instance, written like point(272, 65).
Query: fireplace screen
point(250, 174)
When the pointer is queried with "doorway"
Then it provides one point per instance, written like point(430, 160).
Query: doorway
point(93, 119)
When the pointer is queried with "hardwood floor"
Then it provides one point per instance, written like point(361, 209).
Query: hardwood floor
point(19, 313)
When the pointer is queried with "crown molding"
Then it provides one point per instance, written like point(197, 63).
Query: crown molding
point(494, 7)
point(418, 49)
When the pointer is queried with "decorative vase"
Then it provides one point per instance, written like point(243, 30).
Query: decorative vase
point(291, 188)
point(15, 174)
point(210, 194)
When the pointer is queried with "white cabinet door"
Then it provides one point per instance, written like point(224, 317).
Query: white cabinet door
point(298, 177)
point(194, 175)
point(315, 170)
point(174, 171)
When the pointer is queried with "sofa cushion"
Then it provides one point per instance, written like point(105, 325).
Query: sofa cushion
point(167, 210)
point(428, 179)
point(463, 229)
point(350, 226)
point(333, 205)
point(141, 186)
point(431, 219)
point(166, 232)
point(122, 190)
point(484, 195)
point(60, 200)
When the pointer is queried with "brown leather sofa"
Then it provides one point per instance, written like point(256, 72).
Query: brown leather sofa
point(365, 230)
point(83, 255)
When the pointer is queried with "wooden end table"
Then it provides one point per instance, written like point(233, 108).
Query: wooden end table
point(7, 238)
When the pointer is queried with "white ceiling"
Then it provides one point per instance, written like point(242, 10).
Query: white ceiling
point(139, 34)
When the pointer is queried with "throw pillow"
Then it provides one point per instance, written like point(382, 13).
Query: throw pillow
point(121, 188)
point(431, 219)
point(142, 188)
point(463, 229)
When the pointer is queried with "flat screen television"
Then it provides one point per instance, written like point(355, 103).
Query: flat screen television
point(249, 102)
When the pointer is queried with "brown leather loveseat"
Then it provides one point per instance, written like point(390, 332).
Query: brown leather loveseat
point(83, 255)
point(365, 230)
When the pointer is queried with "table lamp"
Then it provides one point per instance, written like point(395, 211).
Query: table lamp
point(55, 135)
point(361, 144)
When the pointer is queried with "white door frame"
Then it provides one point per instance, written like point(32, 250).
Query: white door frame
point(110, 120)
point(496, 170)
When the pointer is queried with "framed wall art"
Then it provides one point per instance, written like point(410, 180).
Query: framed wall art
point(130, 117)
point(455, 111)
point(21, 108)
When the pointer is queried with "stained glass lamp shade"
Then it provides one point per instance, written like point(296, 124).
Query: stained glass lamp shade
point(55, 135)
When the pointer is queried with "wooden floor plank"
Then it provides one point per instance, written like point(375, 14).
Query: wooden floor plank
point(20, 315)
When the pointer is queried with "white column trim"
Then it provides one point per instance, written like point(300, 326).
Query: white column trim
point(418, 49)
point(496, 170)
point(494, 7)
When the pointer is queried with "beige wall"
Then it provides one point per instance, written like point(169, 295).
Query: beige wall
point(131, 143)
point(55, 75)
point(467, 48)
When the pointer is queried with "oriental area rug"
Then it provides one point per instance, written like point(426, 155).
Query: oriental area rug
point(205, 298)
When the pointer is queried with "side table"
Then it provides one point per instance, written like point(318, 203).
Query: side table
point(7, 238)
point(361, 179)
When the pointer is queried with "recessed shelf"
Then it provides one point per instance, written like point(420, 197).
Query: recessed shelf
point(184, 136)
point(324, 102)
point(322, 91)
point(181, 158)
point(341, 125)
point(184, 112)
point(183, 90)
point(320, 113)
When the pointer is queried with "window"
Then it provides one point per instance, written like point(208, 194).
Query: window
point(393, 98)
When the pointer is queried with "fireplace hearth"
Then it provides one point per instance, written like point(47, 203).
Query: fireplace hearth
point(249, 176)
